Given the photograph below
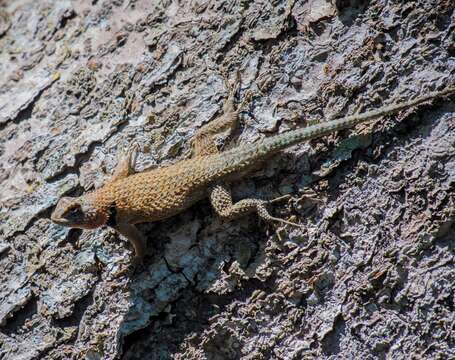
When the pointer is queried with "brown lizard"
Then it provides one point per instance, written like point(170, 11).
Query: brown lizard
point(129, 198)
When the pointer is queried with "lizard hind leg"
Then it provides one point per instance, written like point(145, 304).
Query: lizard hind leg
point(206, 141)
point(221, 200)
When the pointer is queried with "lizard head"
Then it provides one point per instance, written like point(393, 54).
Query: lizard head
point(79, 213)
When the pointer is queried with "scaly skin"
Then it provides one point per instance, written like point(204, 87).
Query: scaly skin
point(131, 198)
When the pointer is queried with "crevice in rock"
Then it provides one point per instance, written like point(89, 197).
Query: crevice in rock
point(331, 341)
point(19, 318)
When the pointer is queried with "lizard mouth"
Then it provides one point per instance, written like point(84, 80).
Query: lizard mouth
point(58, 220)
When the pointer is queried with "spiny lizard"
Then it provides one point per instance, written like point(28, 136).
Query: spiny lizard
point(129, 198)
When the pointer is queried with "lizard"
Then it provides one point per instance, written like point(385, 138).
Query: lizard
point(131, 197)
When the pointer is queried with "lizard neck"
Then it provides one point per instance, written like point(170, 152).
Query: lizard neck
point(102, 203)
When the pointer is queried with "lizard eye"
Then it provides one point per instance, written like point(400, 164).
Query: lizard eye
point(73, 211)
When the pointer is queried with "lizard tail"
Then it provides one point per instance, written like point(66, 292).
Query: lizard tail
point(249, 154)
point(284, 140)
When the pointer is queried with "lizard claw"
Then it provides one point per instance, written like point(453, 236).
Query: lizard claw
point(286, 222)
point(280, 198)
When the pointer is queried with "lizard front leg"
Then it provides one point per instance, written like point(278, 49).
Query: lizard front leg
point(126, 164)
point(134, 236)
point(221, 200)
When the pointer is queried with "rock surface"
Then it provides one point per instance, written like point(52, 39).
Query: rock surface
point(372, 273)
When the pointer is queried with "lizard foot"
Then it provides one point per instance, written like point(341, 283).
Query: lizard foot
point(280, 199)
point(131, 155)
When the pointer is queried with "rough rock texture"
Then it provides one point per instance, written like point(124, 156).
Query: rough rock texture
point(371, 275)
